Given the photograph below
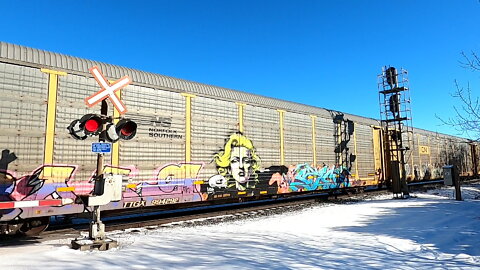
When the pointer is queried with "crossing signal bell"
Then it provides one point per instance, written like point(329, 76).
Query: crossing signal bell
point(92, 125)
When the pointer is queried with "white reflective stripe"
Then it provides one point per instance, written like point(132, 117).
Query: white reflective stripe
point(67, 201)
point(120, 84)
point(21, 204)
point(98, 97)
point(101, 80)
point(117, 103)
point(109, 90)
point(24, 204)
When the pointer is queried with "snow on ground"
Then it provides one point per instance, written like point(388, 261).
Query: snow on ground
point(429, 231)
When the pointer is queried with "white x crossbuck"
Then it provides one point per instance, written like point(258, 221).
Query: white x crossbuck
point(108, 90)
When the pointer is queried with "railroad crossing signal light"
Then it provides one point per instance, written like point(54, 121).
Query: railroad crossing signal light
point(391, 74)
point(394, 103)
point(88, 125)
point(92, 125)
point(125, 129)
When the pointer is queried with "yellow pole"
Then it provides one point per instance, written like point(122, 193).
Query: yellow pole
point(412, 169)
point(357, 174)
point(429, 153)
point(51, 116)
point(188, 126)
point(419, 155)
point(240, 107)
point(116, 146)
point(282, 138)
point(314, 140)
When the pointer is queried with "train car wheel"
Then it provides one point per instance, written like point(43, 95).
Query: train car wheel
point(35, 226)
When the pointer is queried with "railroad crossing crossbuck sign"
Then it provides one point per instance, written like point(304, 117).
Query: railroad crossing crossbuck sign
point(108, 90)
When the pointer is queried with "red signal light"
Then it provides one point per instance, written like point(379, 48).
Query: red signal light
point(91, 125)
point(125, 129)
point(88, 125)
point(128, 129)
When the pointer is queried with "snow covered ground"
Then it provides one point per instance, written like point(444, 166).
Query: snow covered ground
point(431, 231)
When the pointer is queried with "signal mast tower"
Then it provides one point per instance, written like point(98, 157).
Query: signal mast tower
point(396, 119)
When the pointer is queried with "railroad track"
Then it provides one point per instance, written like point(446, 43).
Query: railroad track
point(192, 217)
point(202, 215)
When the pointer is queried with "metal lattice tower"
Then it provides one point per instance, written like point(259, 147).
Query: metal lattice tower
point(396, 119)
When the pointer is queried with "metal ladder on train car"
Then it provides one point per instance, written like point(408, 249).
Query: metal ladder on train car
point(343, 135)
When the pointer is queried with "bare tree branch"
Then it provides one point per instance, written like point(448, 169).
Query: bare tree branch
point(466, 119)
point(470, 62)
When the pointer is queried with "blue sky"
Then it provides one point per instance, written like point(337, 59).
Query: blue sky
point(322, 53)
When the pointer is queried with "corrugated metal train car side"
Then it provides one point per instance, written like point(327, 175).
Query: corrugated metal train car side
point(431, 151)
point(180, 135)
point(194, 142)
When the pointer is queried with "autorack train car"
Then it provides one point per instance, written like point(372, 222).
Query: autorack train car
point(193, 143)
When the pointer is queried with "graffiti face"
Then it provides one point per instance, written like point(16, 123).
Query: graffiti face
point(237, 164)
point(241, 164)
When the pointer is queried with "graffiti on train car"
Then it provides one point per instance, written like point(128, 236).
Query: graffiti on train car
point(239, 172)
point(237, 165)
point(7, 179)
point(424, 171)
point(7, 183)
point(57, 182)
point(238, 168)
point(431, 159)
point(303, 177)
point(45, 182)
point(6, 158)
point(45, 185)
point(169, 179)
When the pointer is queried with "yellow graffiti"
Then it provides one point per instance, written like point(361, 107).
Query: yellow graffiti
point(185, 171)
point(53, 174)
point(115, 170)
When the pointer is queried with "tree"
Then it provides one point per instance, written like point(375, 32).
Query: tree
point(467, 116)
